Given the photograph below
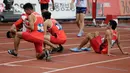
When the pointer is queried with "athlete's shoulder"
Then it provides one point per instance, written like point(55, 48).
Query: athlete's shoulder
point(53, 20)
point(108, 31)
point(48, 21)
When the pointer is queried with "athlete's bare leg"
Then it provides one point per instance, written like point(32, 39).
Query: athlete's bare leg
point(17, 41)
point(88, 37)
point(81, 24)
point(77, 20)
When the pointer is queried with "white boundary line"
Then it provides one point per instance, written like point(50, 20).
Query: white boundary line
point(52, 56)
point(14, 65)
point(33, 48)
point(75, 30)
point(68, 67)
point(86, 32)
point(22, 41)
point(36, 59)
point(88, 64)
point(65, 28)
point(110, 68)
point(12, 42)
point(63, 45)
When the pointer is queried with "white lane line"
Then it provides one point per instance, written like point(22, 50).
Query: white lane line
point(12, 42)
point(88, 29)
point(19, 50)
point(36, 59)
point(15, 65)
point(33, 48)
point(47, 68)
point(84, 32)
point(90, 32)
point(18, 61)
point(111, 68)
point(52, 56)
point(12, 65)
point(63, 45)
point(88, 64)
point(67, 38)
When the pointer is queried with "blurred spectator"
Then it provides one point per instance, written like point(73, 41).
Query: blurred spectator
point(8, 4)
point(2, 7)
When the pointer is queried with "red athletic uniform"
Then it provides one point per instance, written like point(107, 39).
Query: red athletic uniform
point(58, 35)
point(44, 1)
point(19, 22)
point(36, 36)
point(101, 46)
point(94, 7)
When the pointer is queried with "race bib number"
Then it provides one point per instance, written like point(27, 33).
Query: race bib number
point(40, 27)
point(58, 26)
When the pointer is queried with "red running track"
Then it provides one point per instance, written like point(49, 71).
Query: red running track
point(66, 62)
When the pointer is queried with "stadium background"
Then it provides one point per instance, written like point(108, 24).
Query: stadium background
point(62, 9)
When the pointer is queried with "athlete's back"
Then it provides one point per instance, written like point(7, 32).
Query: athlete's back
point(38, 24)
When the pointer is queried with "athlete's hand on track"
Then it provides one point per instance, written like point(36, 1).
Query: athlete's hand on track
point(111, 55)
point(126, 53)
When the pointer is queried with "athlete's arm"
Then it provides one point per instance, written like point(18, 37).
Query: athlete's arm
point(119, 45)
point(13, 28)
point(18, 22)
point(45, 31)
point(47, 23)
point(31, 20)
point(45, 26)
point(108, 37)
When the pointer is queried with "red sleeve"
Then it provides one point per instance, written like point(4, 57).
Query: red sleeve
point(18, 22)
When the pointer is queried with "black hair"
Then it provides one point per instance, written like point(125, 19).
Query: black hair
point(113, 24)
point(8, 34)
point(28, 6)
point(46, 15)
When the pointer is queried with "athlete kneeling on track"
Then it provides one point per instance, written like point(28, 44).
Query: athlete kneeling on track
point(36, 35)
point(57, 36)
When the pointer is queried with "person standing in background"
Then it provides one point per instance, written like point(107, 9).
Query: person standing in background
point(45, 5)
point(81, 7)
point(8, 4)
point(94, 7)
